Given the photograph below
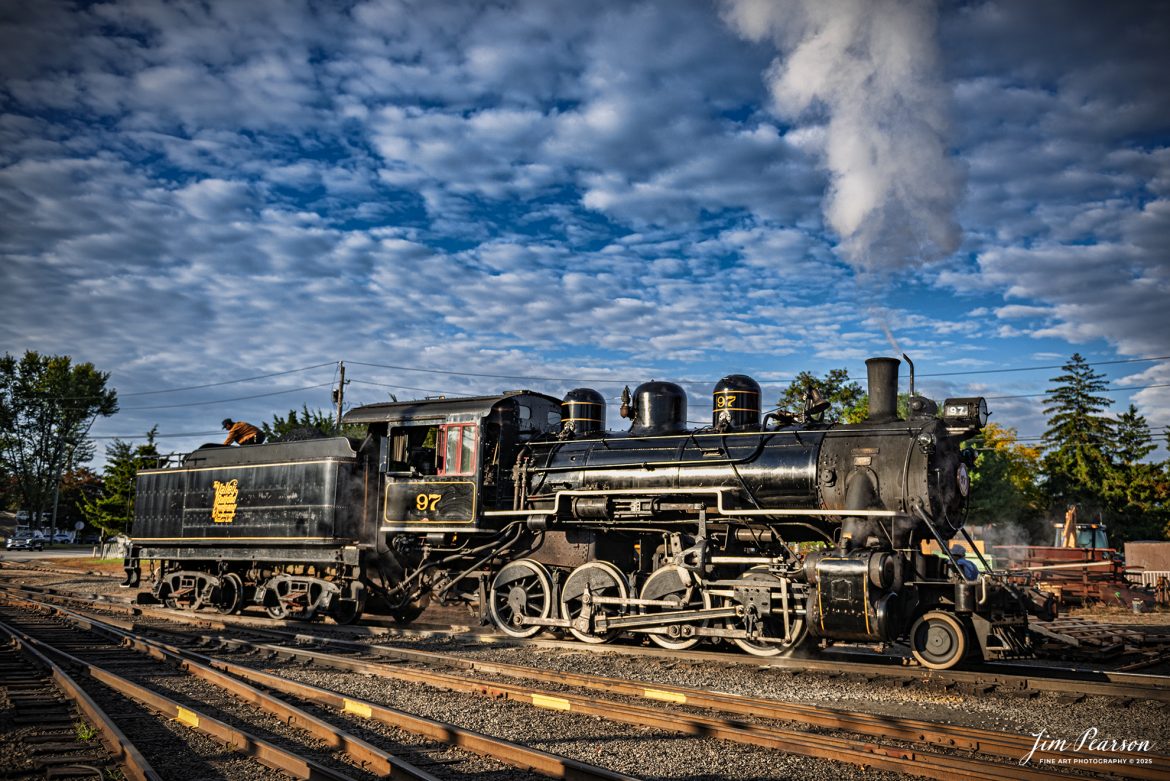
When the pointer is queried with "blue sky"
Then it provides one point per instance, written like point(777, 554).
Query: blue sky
point(599, 193)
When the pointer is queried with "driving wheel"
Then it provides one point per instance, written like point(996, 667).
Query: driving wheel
point(591, 580)
point(680, 586)
point(522, 588)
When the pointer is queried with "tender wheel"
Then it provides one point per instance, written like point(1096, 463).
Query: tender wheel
point(769, 636)
point(938, 640)
point(164, 596)
point(521, 588)
point(231, 594)
point(274, 606)
point(680, 585)
point(597, 579)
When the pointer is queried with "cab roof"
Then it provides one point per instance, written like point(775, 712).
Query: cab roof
point(438, 410)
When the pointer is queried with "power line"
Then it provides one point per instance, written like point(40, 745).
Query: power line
point(159, 436)
point(1038, 368)
point(230, 382)
point(225, 401)
point(537, 378)
point(486, 375)
point(198, 387)
point(1105, 390)
point(405, 387)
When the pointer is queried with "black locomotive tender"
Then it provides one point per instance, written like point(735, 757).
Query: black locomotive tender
point(528, 507)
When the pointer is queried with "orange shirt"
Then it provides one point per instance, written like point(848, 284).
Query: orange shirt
point(241, 432)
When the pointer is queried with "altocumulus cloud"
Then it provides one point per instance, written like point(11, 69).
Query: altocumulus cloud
point(191, 191)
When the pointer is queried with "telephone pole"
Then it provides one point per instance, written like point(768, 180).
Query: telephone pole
point(339, 392)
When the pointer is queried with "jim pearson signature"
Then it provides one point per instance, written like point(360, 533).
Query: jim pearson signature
point(1088, 741)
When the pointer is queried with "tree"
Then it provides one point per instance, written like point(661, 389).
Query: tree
point(47, 405)
point(1138, 492)
point(113, 508)
point(1133, 440)
point(1003, 482)
point(836, 388)
point(310, 425)
point(78, 486)
point(1079, 437)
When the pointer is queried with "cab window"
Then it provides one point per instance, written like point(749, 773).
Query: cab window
point(458, 449)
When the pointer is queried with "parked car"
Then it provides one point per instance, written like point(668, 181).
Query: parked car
point(66, 537)
point(91, 538)
point(24, 543)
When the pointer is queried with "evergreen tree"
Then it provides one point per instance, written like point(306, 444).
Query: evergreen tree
point(1133, 440)
point(1079, 436)
point(310, 424)
point(1138, 492)
point(113, 508)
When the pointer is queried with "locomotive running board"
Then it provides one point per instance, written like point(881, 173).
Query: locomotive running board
point(718, 493)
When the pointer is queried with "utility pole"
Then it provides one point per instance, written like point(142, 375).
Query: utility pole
point(339, 393)
point(57, 491)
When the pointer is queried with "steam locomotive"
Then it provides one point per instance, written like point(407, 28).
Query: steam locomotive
point(524, 505)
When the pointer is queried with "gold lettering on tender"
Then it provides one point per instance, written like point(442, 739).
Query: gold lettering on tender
point(223, 509)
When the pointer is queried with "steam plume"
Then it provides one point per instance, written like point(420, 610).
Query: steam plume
point(873, 67)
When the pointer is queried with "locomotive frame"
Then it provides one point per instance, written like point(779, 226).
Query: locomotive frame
point(524, 505)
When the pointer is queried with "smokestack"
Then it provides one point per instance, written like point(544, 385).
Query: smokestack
point(883, 389)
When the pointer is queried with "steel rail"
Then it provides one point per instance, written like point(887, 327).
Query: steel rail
point(911, 761)
point(1001, 675)
point(922, 763)
point(218, 672)
point(1004, 676)
point(121, 748)
point(267, 753)
point(370, 757)
point(1002, 744)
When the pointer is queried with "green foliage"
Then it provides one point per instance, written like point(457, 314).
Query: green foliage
point(112, 510)
point(1096, 461)
point(1133, 441)
point(1078, 437)
point(84, 731)
point(47, 405)
point(309, 424)
point(1003, 482)
point(836, 388)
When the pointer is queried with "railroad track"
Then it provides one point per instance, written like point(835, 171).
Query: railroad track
point(52, 728)
point(231, 701)
point(983, 754)
point(1073, 681)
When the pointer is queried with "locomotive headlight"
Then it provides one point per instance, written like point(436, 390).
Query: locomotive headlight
point(965, 416)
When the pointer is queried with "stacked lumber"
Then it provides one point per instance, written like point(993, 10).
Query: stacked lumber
point(1082, 639)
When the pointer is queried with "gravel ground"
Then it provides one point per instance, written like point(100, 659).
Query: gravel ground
point(651, 754)
point(645, 753)
point(1053, 713)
